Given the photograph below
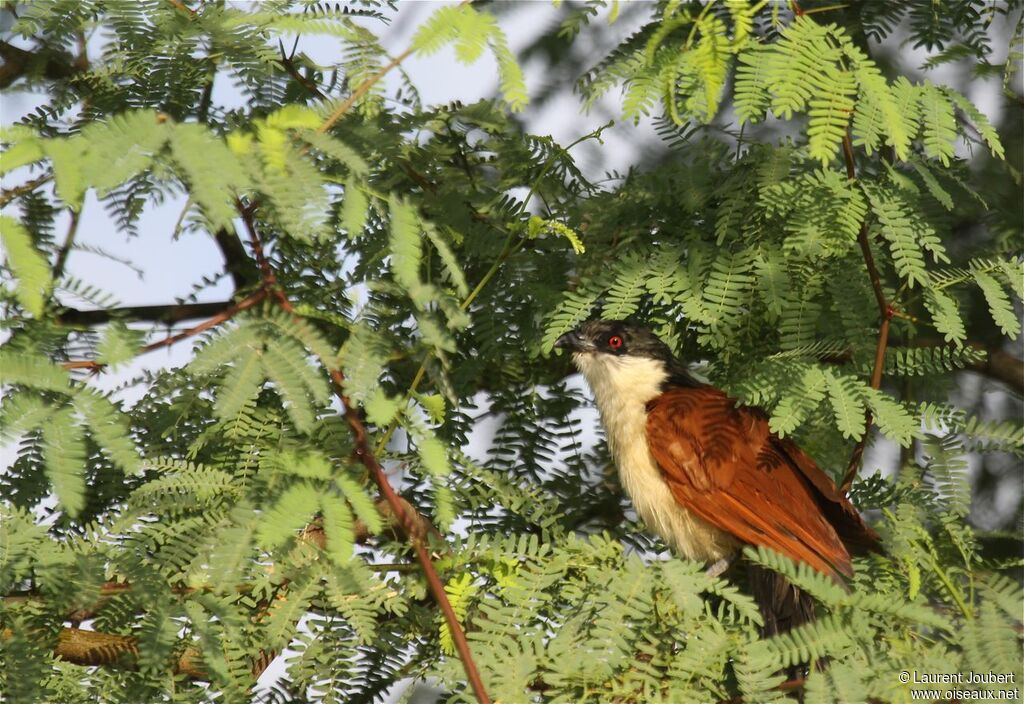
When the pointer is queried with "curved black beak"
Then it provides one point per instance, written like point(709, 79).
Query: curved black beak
point(571, 341)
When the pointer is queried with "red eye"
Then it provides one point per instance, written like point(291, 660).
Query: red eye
point(615, 342)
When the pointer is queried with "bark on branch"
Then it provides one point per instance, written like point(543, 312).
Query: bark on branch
point(169, 313)
point(885, 315)
point(18, 62)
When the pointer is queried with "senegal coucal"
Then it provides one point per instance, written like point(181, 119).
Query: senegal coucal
point(707, 474)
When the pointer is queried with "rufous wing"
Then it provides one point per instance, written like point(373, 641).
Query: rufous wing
point(722, 463)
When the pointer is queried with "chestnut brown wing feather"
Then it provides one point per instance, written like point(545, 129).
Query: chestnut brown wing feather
point(723, 464)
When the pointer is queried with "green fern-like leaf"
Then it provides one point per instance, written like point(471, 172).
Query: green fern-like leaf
point(725, 294)
point(298, 383)
point(799, 401)
point(339, 528)
point(938, 123)
point(110, 430)
point(64, 453)
point(945, 315)
point(845, 396)
point(981, 123)
point(752, 98)
point(406, 251)
point(998, 304)
point(241, 384)
point(880, 117)
point(27, 264)
point(830, 115)
point(916, 361)
point(905, 233)
point(945, 461)
point(290, 512)
point(362, 503)
point(573, 310)
point(891, 417)
point(212, 171)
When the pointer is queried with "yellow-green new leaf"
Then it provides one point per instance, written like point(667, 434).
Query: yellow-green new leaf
point(25, 148)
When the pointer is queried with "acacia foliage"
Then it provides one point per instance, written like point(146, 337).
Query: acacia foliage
point(433, 254)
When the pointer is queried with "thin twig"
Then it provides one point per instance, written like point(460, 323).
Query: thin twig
point(885, 313)
point(359, 92)
point(225, 315)
point(369, 460)
point(69, 241)
point(216, 320)
point(9, 194)
point(289, 66)
point(180, 6)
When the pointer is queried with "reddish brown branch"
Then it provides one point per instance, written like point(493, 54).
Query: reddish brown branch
point(180, 7)
point(9, 194)
point(366, 456)
point(412, 527)
point(214, 321)
point(885, 314)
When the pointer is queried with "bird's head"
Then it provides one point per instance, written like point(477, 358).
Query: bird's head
point(621, 360)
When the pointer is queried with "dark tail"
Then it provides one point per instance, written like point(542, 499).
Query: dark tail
point(783, 606)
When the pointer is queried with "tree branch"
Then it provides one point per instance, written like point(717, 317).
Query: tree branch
point(69, 241)
point(237, 262)
point(885, 314)
point(170, 313)
point(289, 66)
point(366, 456)
point(362, 90)
point(9, 194)
point(18, 62)
point(225, 315)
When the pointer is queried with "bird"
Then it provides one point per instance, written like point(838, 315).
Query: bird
point(708, 475)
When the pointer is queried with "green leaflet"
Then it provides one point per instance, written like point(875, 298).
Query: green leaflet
point(119, 344)
point(32, 370)
point(214, 173)
point(406, 249)
point(287, 515)
point(109, 428)
point(27, 264)
point(999, 304)
point(354, 208)
point(845, 397)
point(471, 32)
point(64, 455)
point(937, 123)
